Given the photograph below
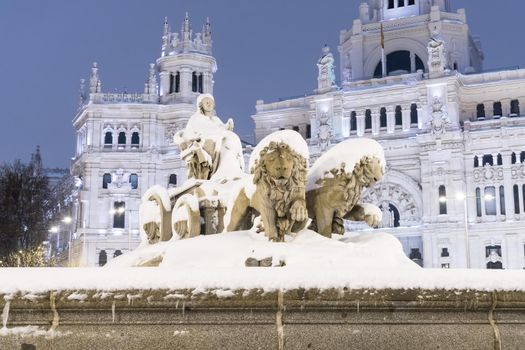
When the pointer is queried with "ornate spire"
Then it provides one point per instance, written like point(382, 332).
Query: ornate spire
point(186, 29)
point(94, 81)
point(206, 32)
point(152, 79)
point(166, 33)
point(82, 93)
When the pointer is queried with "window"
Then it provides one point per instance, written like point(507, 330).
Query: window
point(502, 200)
point(135, 139)
point(513, 158)
point(497, 109)
point(353, 121)
point(102, 258)
point(172, 79)
point(118, 252)
point(499, 159)
point(478, 203)
point(134, 181)
point(523, 194)
point(108, 139)
point(177, 82)
point(308, 131)
point(493, 255)
point(476, 161)
point(295, 128)
point(516, 199)
point(200, 83)
point(398, 62)
point(172, 180)
point(390, 4)
point(515, 108)
point(413, 114)
point(400, 3)
point(106, 179)
point(455, 66)
point(442, 200)
point(399, 116)
point(488, 159)
point(411, 2)
point(194, 82)
point(368, 119)
point(480, 111)
point(522, 157)
point(445, 266)
point(382, 118)
point(119, 209)
point(415, 254)
point(444, 253)
point(490, 200)
point(121, 138)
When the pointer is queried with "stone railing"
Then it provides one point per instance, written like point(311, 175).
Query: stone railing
point(253, 319)
point(106, 98)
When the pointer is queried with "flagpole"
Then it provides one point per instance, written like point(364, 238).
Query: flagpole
point(383, 56)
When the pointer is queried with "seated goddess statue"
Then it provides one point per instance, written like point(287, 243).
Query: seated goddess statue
point(208, 146)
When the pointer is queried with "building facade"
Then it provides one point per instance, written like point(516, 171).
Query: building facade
point(124, 143)
point(412, 78)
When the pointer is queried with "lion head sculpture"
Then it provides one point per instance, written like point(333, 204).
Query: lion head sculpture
point(338, 193)
point(279, 176)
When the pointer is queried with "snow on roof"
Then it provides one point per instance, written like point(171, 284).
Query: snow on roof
point(289, 137)
point(349, 152)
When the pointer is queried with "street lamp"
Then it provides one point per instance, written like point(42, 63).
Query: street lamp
point(67, 220)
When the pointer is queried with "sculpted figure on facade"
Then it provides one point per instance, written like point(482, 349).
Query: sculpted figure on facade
point(276, 191)
point(325, 132)
point(326, 78)
point(206, 139)
point(437, 57)
point(439, 120)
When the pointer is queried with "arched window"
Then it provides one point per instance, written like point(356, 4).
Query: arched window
point(172, 180)
point(522, 157)
point(476, 161)
point(121, 138)
point(118, 252)
point(413, 114)
point(177, 82)
point(135, 139)
point(119, 209)
point(200, 84)
point(134, 181)
point(102, 258)
point(308, 131)
point(398, 62)
point(382, 118)
point(502, 200)
point(455, 66)
point(106, 179)
point(497, 111)
point(478, 202)
point(516, 199)
point(353, 121)
point(399, 116)
point(395, 213)
point(488, 159)
point(513, 158)
point(514, 108)
point(480, 111)
point(368, 119)
point(172, 83)
point(194, 82)
point(442, 200)
point(499, 159)
point(108, 139)
point(490, 200)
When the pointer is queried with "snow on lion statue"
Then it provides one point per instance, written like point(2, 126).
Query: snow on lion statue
point(335, 184)
point(276, 187)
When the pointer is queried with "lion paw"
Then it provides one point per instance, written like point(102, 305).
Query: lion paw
point(298, 211)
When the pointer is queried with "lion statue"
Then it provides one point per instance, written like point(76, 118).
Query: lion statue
point(279, 176)
point(337, 194)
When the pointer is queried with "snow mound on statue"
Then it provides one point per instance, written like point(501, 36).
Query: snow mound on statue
point(290, 137)
point(348, 152)
point(307, 250)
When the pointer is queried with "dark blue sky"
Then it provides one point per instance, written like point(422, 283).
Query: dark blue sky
point(265, 49)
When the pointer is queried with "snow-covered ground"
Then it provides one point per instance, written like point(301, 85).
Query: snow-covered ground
point(218, 262)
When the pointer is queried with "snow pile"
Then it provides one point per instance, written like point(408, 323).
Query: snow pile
point(348, 152)
point(307, 250)
point(289, 137)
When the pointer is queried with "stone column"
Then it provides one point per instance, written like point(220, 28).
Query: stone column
point(164, 83)
point(406, 117)
point(497, 199)
point(390, 119)
point(507, 183)
point(520, 193)
point(185, 82)
point(375, 122)
point(412, 62)
point(505, 107)
point(360, 122)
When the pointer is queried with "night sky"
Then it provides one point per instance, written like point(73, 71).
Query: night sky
point(265, 49)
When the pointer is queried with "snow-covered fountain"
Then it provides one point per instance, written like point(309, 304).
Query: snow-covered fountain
point(260, 259)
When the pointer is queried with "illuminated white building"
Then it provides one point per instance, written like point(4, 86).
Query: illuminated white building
point(453, 134)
